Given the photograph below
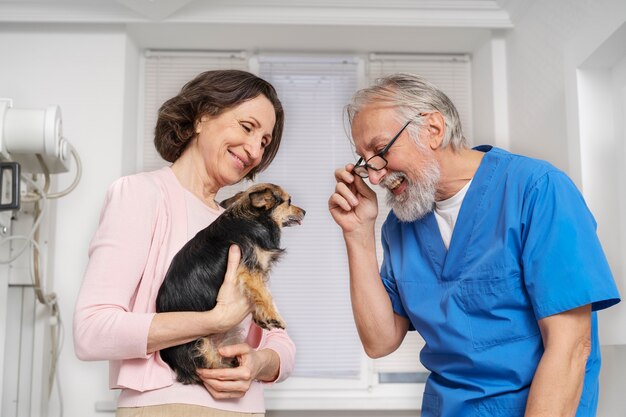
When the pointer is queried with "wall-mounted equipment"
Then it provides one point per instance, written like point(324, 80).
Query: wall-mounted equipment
point(26, 133)
point(32, 149)
point(9, 186)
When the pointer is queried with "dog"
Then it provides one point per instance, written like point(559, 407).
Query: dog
point(253, 220)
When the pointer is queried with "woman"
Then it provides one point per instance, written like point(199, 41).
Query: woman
point(222, 127)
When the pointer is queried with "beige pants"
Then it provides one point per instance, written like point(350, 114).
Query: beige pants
point(179, 410)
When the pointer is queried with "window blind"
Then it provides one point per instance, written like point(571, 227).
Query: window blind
point(451, 74)
point(165, 74)
point(311, 284)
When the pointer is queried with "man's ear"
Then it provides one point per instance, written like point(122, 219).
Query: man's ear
point(436, 127)
point(229, 201)
point(264, 199)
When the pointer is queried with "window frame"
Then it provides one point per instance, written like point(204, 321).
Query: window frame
point(305, 393)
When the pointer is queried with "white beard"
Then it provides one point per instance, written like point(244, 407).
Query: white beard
point(419, 197)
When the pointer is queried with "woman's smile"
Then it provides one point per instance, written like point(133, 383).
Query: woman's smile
point(240, 161)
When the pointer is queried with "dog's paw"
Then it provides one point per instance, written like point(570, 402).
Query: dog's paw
point(277, 324)
point(270, 323)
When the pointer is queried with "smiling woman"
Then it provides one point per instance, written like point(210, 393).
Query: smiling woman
point(222, 127)
point(200, 100)
point(232, 143)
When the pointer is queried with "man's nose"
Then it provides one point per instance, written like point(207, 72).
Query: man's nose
point(376, 176)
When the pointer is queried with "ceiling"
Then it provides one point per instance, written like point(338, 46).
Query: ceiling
point(440, 13)
point(342, 25)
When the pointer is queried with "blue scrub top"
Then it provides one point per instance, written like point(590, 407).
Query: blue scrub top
point(524, 247)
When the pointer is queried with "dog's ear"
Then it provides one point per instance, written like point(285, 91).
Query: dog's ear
point(229, 201)
point(264, 199)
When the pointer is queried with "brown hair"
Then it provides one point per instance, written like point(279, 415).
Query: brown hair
point(211, 93)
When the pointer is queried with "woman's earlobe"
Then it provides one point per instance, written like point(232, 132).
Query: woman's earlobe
point(198, 124)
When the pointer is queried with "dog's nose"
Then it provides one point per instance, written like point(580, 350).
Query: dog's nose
point(303, 212)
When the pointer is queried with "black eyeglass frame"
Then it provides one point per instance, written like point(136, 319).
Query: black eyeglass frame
point(360, 163)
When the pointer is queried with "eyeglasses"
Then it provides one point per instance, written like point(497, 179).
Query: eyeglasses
point(378, 161)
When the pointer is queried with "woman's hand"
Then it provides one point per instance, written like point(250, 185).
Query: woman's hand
point(232, 305)
point(353, 205)
point(178, 327)
point(235, 382)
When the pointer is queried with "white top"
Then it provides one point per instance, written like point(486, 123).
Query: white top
point(447, 211)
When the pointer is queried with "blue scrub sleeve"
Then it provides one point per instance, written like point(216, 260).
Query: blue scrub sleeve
point(563, 262)
point(389, 281)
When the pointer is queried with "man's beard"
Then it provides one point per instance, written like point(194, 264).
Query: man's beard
point(419, 197)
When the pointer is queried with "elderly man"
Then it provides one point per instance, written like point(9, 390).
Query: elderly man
point(492, 257)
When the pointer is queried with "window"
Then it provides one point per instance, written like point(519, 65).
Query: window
point(310, 284)
point(165, 74)
point(450, 73)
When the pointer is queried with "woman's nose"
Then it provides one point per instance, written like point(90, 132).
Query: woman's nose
point(253, 147)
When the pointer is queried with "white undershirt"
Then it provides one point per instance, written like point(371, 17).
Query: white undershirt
point(447, 211)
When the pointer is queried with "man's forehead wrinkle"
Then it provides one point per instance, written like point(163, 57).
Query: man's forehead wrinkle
point(370, 144)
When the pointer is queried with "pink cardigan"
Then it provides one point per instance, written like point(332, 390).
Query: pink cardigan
point(142, 226)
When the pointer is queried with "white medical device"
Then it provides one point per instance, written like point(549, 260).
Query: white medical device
point(25, 133)
point(32, 147)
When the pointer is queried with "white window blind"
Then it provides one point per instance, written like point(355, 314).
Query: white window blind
point(165, 74)
point(311, 284)
point(451, 74)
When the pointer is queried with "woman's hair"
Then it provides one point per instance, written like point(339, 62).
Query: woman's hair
point(411, 95)
point(211, 93)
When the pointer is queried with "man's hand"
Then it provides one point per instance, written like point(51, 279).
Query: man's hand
point(353, 205)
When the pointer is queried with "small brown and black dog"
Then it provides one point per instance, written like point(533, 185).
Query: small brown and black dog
point(252, 220)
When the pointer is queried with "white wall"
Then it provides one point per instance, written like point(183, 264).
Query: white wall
point(536, 49)
point(490, 94)
point(83, 71)
point(482, 92)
